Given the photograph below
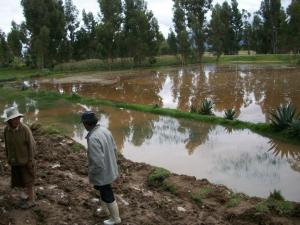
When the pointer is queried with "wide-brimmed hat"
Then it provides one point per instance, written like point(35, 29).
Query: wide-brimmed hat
point(12, 113)
point(88, 117)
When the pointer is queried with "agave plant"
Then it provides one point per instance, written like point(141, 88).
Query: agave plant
point(283, 116)
point(206, 107)
point(230, 114)
point(294, 129)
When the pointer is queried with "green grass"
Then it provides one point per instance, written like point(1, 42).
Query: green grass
point(9, 74)
point(168, 186)
point(234, 200)
point(50, 98)
point(277, 202)
point(157, 176)
point(260, 58)
point(201, 194)
point(51, 130)
point(262, 207)
point(76, 147)
point(171, 60)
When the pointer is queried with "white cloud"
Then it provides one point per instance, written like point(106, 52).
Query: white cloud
point(10, 10)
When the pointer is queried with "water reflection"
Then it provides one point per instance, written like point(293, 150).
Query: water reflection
point(252, 90)
point(239, 159)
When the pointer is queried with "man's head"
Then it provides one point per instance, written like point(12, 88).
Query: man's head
point(89, 119)
point(13, 117)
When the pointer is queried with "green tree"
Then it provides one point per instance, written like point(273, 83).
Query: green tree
point(228, 38)
point(14, 40)
point(71, 25)
point(257, 35)
point(237, 26)
point(110, 27)
point(46, 22)
point(195, 14)
point(270, 10)
point(216, 31)
point(172, 43)
point(293, 12)
point(247, 31)
point(86, 44)
point(141, 31)
point(180, 24)
point(5, 56)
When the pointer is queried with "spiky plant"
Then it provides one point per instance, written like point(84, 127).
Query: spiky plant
point(294, 128)
point(230, 114)
point(283, 116)
point(206, 107)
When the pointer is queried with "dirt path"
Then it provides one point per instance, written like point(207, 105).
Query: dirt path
point(64, 195)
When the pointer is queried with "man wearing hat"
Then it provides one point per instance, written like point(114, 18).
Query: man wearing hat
point(102, 164)
point(20, 148)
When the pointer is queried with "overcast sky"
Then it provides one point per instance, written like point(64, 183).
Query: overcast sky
point(162, 9)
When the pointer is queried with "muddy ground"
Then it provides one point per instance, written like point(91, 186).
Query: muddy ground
point(64, 195)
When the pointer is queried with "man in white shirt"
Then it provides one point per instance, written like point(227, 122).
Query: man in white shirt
point(102, 161)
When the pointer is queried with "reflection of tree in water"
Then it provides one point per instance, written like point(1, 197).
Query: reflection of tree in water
point(142, 128)
point(272, 87)
point(289, 151)
point(185, 90)
point(198, 134)
point(167, 130)
point(249, 166)
point(227, 89)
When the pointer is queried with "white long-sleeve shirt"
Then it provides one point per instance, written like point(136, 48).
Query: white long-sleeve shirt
point(102, 160)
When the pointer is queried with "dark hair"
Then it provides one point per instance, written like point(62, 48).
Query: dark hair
point(89, 118)
point(91, 123)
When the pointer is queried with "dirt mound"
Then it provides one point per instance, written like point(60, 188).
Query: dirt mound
point(64, 195)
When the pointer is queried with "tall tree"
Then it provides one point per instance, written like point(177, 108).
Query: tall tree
point(228, 38)
point(270, 10)
point(110, 27)
point(257, 35)
point(293, 12)
point(86, 44)
point(14, 39)
point(5, 56)
point(216, 31)
point(237, 26)
point(71, 25)
point(172, 43)
point(141, 31)
point(46, 22)
point(180, 25)
point(247, 31)
point(195, 13)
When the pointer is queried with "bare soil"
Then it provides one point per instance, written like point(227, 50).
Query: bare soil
point(101, 78)
point(64, 195)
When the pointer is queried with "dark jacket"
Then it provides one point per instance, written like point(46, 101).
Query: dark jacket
point(19, 145)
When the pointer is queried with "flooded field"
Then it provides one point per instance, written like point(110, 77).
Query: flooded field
point(239, 159)
point(253, 90)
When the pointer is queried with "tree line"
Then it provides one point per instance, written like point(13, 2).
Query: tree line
point(52, 32)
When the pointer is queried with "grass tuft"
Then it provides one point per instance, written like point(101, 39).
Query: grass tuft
point(157, 176)
point(202, 193)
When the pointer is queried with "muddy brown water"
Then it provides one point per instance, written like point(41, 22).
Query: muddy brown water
point(253, 90)
point(241, 160)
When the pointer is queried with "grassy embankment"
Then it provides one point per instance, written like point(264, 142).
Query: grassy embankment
point(48, 97)
point(10, 74)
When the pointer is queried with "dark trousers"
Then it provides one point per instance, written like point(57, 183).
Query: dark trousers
point(106, 193)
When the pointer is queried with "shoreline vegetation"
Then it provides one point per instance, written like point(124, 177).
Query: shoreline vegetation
point(13, 74)
point(263, 129)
